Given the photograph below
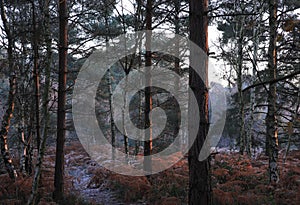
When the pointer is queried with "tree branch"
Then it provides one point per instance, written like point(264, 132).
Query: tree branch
point(233, 14)
point(272, 81)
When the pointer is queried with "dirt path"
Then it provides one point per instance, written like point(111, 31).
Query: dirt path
point(82, 169)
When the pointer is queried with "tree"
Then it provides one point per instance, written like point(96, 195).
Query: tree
point(36, 75)
point(271, 124)
point(256, 30)
point(148, 98)
point(199, 172)
point(42, 145)
point(61, 112)
point(239, 71)
point(11, 98)
point(255, 47)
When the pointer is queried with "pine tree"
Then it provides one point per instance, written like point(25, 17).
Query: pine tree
point(61, 112)
point(199, 172)
point(271, 122)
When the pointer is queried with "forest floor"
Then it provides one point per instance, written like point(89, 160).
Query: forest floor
point(236, 179)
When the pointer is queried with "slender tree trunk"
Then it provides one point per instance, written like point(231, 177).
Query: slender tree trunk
point(256, 30)
point(127, 70)
point(30, 137)
point(240, 41)
point(241, 98)
point(36, 76)
point(24, 147)
point(124, 131)
point(271, 124)
point(24, 113)
point(11, 97)
point(251, 120)
point(177, 61)
point(148, 98)
point(200, 191)
point(137, 143)
point(61, 122)
point(112, 122)
point(139, 46)
point(38, 167)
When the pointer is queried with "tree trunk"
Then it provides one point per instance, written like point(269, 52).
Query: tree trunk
point(36, 76)
point(138, 26)
point(256, 30)
point(38, 167)
point(177, 61)
point(25, 115)
point(10, 103)
point(199, 172)
point(112, 122)
point(240, 41)
point(124, 131)
point(24, 147)
point(148, 98)
point(271, 124)
point(61, 123)
point(127, 69)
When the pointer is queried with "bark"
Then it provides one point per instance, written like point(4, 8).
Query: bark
point(38, 167)
point(10, 103)
point(137, 142)
point(148, 98)
point(240, 45)
point(200, 191)
point(177, 61)
point(29, 147)
point(112, 122)
point(251, 120)
point(24, 148)
point(36, 76)
point(25, 116)
point(124, 131)
point(271, 124)
point(61, 122)
point(26, 155)
point(139, 48)
point(256, 30)
point(127, 69)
